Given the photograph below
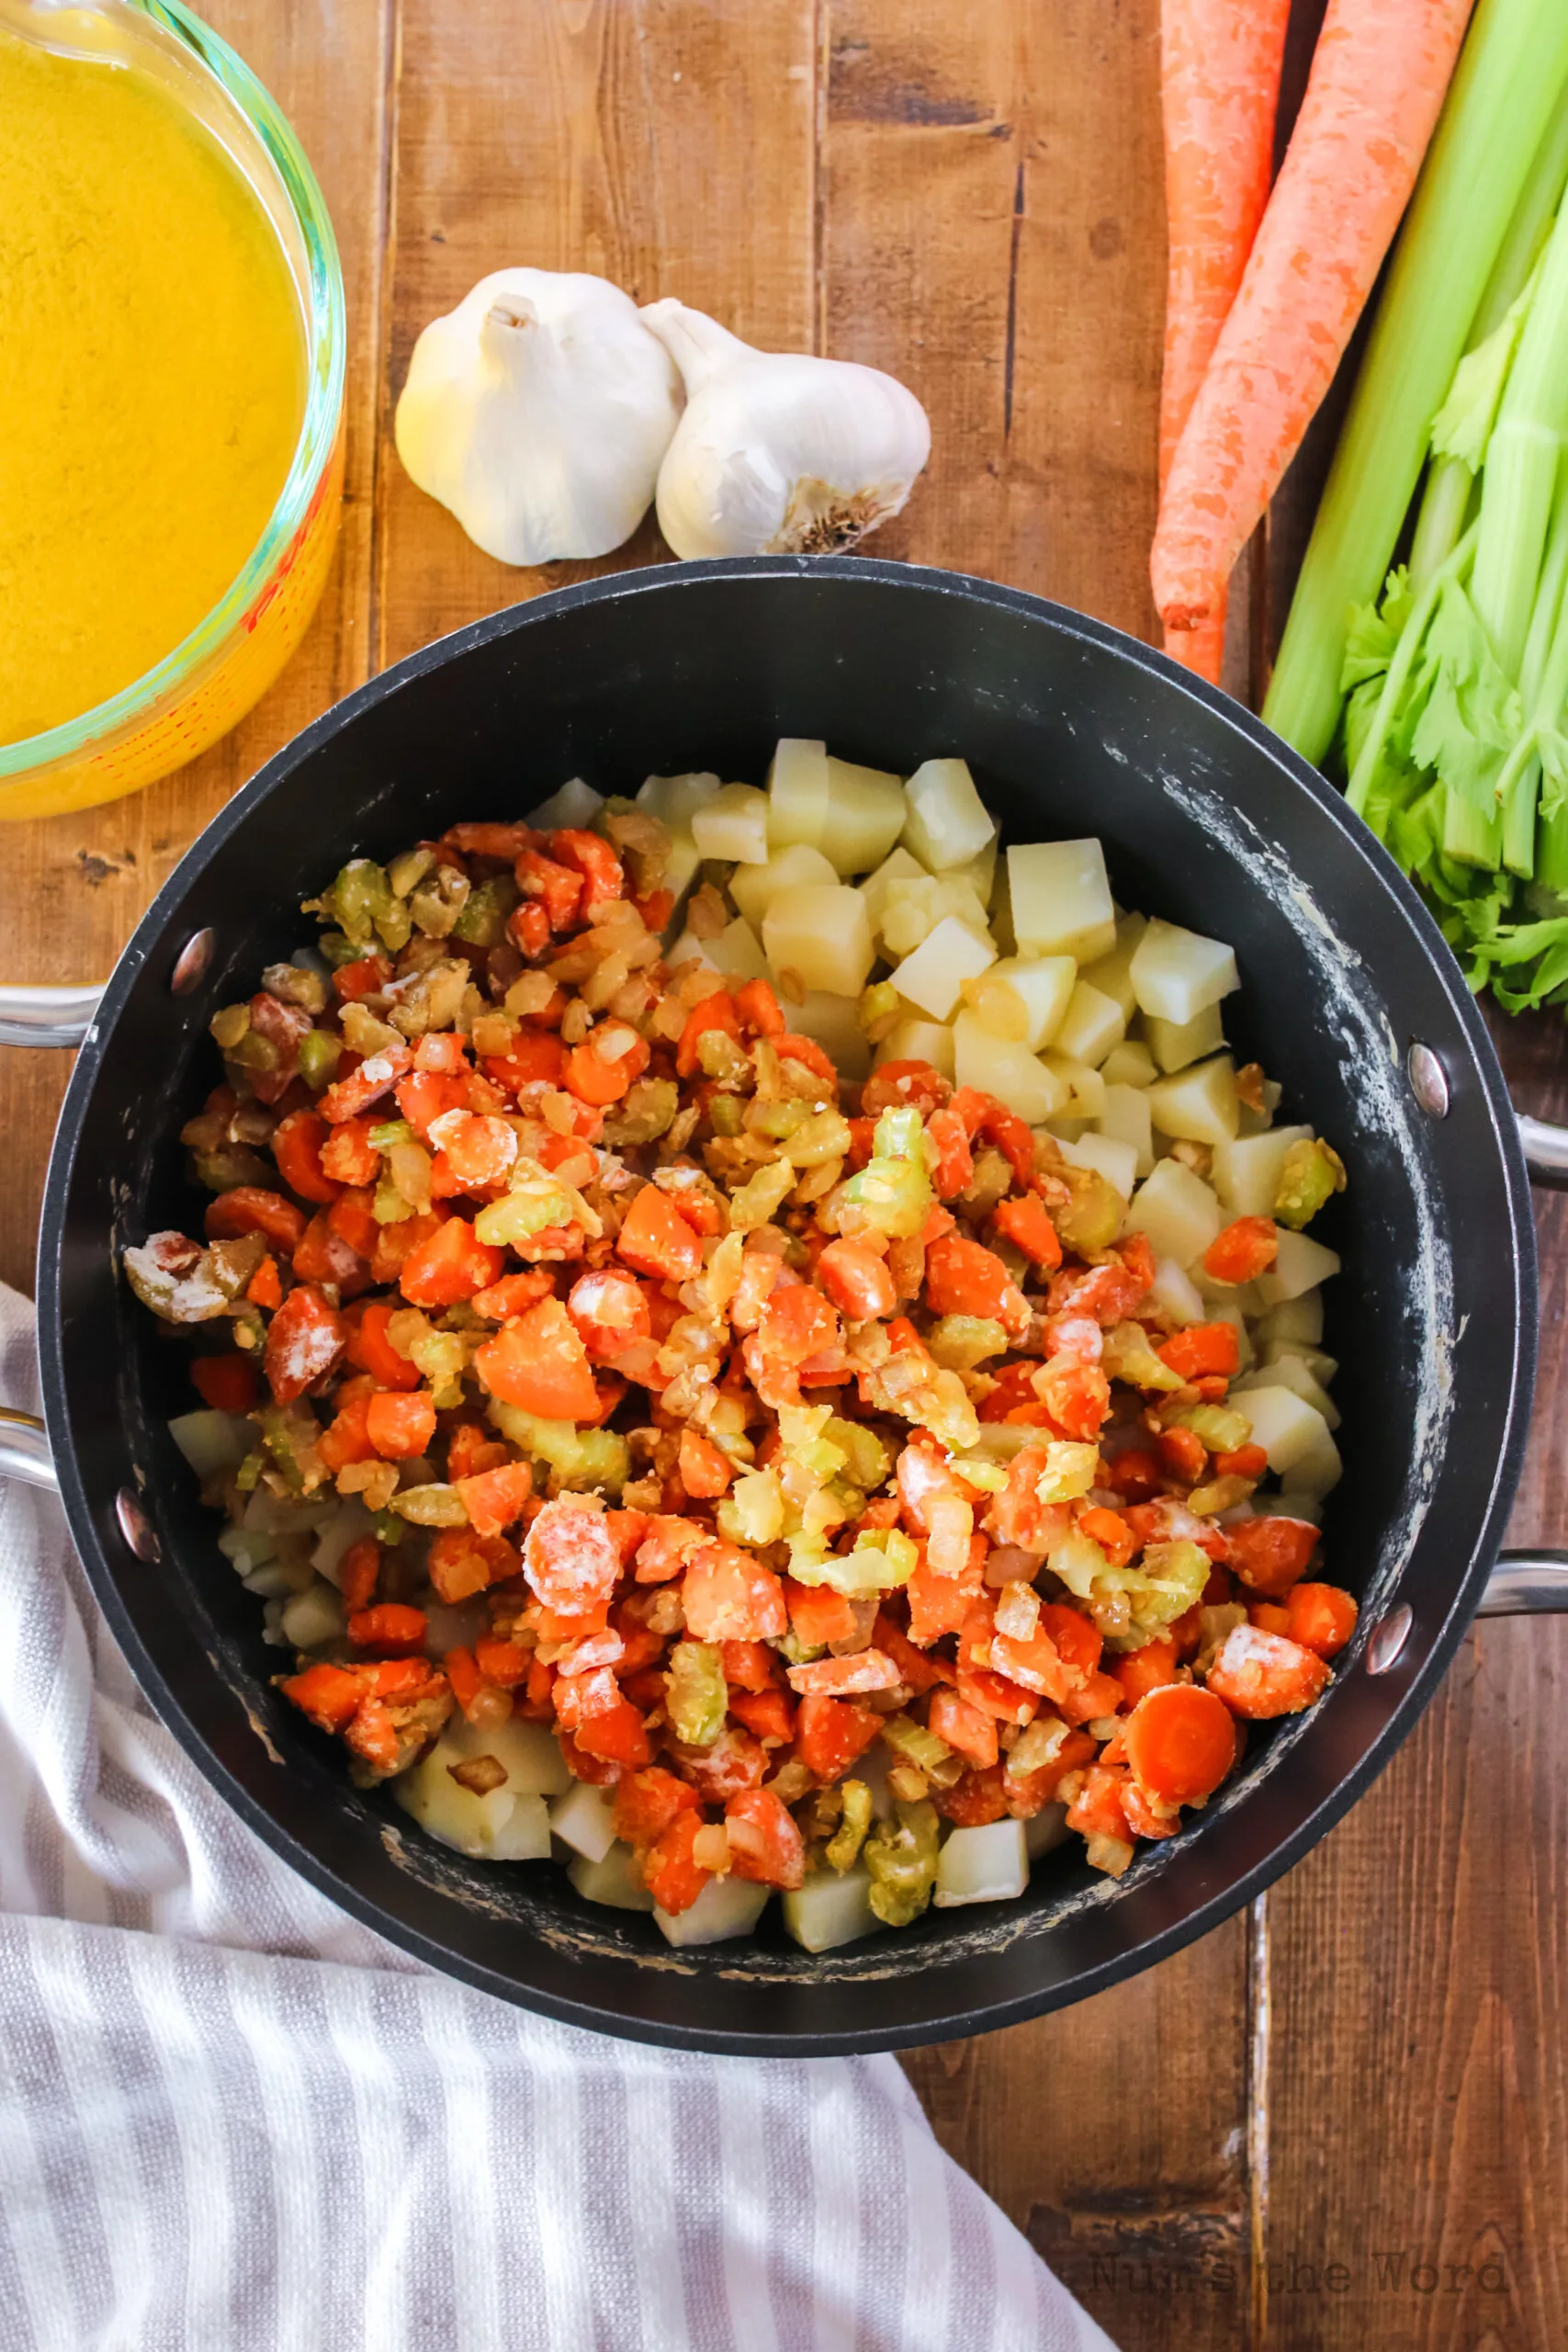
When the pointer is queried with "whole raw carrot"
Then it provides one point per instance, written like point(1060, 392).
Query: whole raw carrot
point(1377, 82)
point(1219, 88)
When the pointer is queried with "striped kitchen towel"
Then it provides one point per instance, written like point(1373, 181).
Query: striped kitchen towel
point(234, 2121)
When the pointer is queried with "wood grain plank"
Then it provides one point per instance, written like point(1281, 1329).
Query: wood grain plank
point(80, 882)
point(666, 147)
point(992, 231)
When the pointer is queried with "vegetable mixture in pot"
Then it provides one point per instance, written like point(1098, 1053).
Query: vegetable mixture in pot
point(833, 1402)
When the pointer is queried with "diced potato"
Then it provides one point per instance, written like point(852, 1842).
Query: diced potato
point(689, 947)
point(1294, 1502)
point(346, 1525)
point(931, 977)
point(1243, 1297)
point(1324, 1369)
point(1117, 1162)
point(1092, 1023)
point(612, 1880)
point(524, 1834)
point(829, 1910)
point(1175, 1294)
point(1290, 1372)
point(1174, 1044)
point(1200, 1104)
point(989, 1864)
point(797, 793)
point(679, 872)
point(725, 1908)
point(1045, 1830)
point(755, 887)
point(314, 1616)
point(1176, 973)
point(1296, 1319)
point(820, 931)
point(576, 804)
point(1287, 1428)
point(733, 823)
point(1111, 974)
point(1246, 1173)
point(1177, 1211)
point(528, 1753)
point(455, 1814)
point(912, 909)
point(866, 815)
point(211, 1440)
point(583, 1820)
point(1124, 1118)
point(896, 866)
point(1009, 1072)
point(674, 799)
point(833, 1022)
point(1256, 1123)
point(947, 823)
point(1319, 1470)
point(1130, 1064)
point(920, 1041)
point(1044, 989)
point(1061, 900)
point(979, 871)
point(1300, 1264)
point(1086, 1088)
point(737, 951)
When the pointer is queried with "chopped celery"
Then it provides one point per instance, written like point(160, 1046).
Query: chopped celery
point(901, 1856)
point(843, 1847)
point(698, 1694)
point(1312, 1173)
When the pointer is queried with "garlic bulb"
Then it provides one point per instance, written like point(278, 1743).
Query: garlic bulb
point(538, 411)
point(780, 452)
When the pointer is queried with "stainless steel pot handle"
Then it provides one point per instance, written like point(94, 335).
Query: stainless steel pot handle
point(43, 1016)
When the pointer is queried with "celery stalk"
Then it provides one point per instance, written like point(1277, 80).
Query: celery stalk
point(1399, 669)
point(1551, 860)
point(1519, 786)
point(1521, 464)
point(1510, 77)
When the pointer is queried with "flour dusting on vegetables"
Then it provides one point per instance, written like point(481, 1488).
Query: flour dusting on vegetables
point(751, 1341)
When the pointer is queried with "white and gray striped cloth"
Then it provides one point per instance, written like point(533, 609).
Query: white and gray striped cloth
point(234, 2121)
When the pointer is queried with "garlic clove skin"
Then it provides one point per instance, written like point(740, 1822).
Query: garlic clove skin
point(538, 412)
point(780, 452)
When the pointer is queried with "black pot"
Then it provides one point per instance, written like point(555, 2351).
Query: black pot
point(1071, 729)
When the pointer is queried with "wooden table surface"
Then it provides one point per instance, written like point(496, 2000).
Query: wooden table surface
point(1338, 2122)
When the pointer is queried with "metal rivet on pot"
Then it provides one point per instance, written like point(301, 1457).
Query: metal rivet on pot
point(192, 963)
point(1428, 1081)
point(135, 1525)
point(1388, 1639)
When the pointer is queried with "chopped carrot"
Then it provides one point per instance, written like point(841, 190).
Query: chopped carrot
point(705, 1471)
point(296, 1145)
point(1244, 1250)
point(594, 1079)
point(1219, 86)
point(227, 1382)
point(1183, 1453)
point(369, 1347)
point(351, 1217)
point(265, 1288)
point(393, 1625)
point(616, 1735)
point(346, 1437)
point(1150, 1669)
point(1377, 79)
point(647, 1802)
point(817, 1614)
point(604, 878)
point(669, 1872)
point(540, 1362)
point(1179, 1743)
point(1110, 1531)
point(399, 1425)
point(1133, 1473)
point(1321, 1617)
point(304, 1341)
point(1203, 1347)
point(963, 1727)
point(329, 1695)
point(1270, 1552)
point(1025, 1222)
point(323, 1256)
point(758, 1008)
point(731, 1596)
point(770, 1714)
point(513, 1292)
point(656, 1239)
point(358, 1572)
point(451, 1264)
point(247, 1208)
point(766, 1846)
point(493, 1497)
point(829, 1734)
point(965, 1278)
point(1259, 1674)
point(715, 1012)
point(857, 1281)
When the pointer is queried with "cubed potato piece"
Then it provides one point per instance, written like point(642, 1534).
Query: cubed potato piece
point(528, 1753)
point(1287, 1428)
point(675, 799)
point(797, 793)
point(1061, 900)
point(1290, 1372)
point(1200, 1104)
point(931, 977)
point(833, 1022)
point(1246, 1173)
point(820, 931)
point(1296, 1319)
point(1299, 1263)
point(946, 823)
point(1092, 1023)
point(1177, 1211)
point(576, 804)
point(1257, 1123)
point(467, 1823)
point(737, 951)
point(828, 1910)
point(1000, 1067)
point(912, 909)
point(989, 1864)
point(524, 1834)
point(1324, 1369)
point(1117, 1162)
point(1175, 1293)
point(612, 1882)
point(866, 815)
point(1176, 973)
point(1113, 975)
point(314, 1616)
point(1319, 1470)
point(583, 1820)
point(1130, 1064)
point(896, 866)
point(920, 1041)
point(1037, 994)
point(979, 871)
point(726, 1908)
point(680, 872)
point(1174, 1044)
point(733, 824)
point(1243, 1297)
point(1045, 1830)
point(687, 948)
point(1086, 1088)
point(1124, 1118)
point(755, 887)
